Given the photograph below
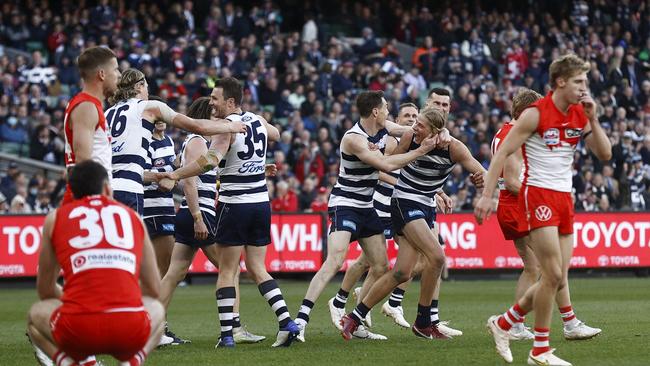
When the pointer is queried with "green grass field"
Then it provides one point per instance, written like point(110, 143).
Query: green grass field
point(620, 306)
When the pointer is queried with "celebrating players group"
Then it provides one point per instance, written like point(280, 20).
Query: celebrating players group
point(117, 232)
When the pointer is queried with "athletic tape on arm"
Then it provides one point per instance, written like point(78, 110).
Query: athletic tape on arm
point(166, 112)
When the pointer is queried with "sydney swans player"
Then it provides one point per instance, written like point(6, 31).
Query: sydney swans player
point(550, 131)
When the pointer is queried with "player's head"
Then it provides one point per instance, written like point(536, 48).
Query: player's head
point(522, 100)
point(429, 123)
point(439, 98)
point(159, 124)
point(89, 178)
point(99, 64)
point(226, 96)
point(201, 108)
point(568, 76)
point(373, 105)
point(408, 113)
point(132, 84)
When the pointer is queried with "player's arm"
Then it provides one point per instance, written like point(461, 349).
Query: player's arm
point(205, 127)
point(595, 137)
point(272, 132)
point(203, 162)
point(48, 267)
point(149, 275)
point(84, 119)
point(385, 177)
point(358, 145)
point(444, 202)
point(195, 150)
point(391, 147)
point(461, 154)
point(396, 130)
point(525, 126)
point(512, 171)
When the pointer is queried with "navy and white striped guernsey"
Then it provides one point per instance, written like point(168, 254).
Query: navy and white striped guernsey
point(131, 135)
point(423, 177)
point(356, 183)
point(383, 193)
point(158, 203)
point(206, 183)
point(241, 171)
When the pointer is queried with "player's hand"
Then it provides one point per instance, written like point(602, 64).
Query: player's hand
point(200, 230)
point(477, 179)
point(270, 170)
point(482, 209)
point(428, 144)
point(444, 139)
point(589, 106)
point(236, 127)
point(166, 184)
point(445, 203)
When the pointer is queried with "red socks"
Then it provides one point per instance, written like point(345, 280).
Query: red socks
point(514, 315)
point(541, 343)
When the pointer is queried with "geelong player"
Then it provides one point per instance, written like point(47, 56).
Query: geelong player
point(350, 204)
point(549, 132)
point(108, 303)
point(413, 215)
point(195, 223)
point(86, 133)
point(515, 227)
point(131, 124)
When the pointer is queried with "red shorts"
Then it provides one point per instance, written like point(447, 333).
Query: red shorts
point(119, 334)
point(546, 207)
point(512, 220)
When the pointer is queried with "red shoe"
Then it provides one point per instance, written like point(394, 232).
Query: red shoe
point(430, 332)
point(348, 326)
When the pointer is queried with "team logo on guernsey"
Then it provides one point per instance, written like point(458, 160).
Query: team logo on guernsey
point(252, 167)
point(573, 132)
point(543, 213)
point(552, 136)
point(159, 162)
point(246, 118)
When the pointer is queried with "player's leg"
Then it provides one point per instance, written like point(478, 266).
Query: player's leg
point(574, 329)
point(182, 257)
point(352, 275)
point(39, 329)
point(156, 312)
point(228, 261)
point(269, 289)
point(337, 248)
point(401, 272)
point(527, 278)
point(163, 246)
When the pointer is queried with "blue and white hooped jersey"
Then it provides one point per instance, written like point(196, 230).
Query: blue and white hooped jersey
point(158, 203)
point(131, 135)
point(356, 183)
point(382, 195)
point(421, 179)
point(206, 183)
point(241, 170)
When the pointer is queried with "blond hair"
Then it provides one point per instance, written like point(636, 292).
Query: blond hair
point(566, 67)
point(435, 118)
point(126, 86)
point(522, 100)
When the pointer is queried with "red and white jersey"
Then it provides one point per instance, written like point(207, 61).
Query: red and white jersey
point(499, 137)
point(98, 243)
point(102, 152)
point(548, 153)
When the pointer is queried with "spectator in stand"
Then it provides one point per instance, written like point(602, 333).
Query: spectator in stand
point(285, 199)
point(310, 162)
point(319, 204)
point(3, 204)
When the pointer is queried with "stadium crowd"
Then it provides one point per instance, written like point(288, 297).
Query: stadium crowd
point(303, 77)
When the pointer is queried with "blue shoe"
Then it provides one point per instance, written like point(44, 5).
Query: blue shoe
point(225, 342)
point(287, 334)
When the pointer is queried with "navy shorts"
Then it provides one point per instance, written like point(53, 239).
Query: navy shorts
point(243, 224)
point(160, 225)
point(133, 200)
point(403, 211)
point(388, 227)
point(185, 229)
point(361, 222)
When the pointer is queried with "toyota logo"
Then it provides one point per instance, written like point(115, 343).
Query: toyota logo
point(500, 262)
point(543, 213)
point(603, 261)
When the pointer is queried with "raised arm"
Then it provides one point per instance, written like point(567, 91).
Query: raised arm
point(272, 131)
point(48, 267)
point(205, 127)
point(525, 126)
point(84, 121)
point(595, 138)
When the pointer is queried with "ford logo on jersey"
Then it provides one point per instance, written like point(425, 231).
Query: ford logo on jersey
point(252, 167)
point(118, 148)
point(552, 136)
